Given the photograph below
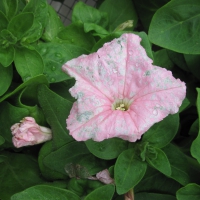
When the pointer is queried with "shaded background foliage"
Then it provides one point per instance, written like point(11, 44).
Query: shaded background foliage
point(34, 44)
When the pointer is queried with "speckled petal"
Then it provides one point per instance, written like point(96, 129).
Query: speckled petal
point(120, 70)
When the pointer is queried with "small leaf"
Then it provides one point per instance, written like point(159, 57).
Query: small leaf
point(20, 24)
point(28, 63)
point(119, 13)
point(3, 21)
point(43, 192)
point(190, 191)
point(107, 149)
point(7, 56)
point(155, 135)
point(8, 36)
point(6, 75)
point(128, 171)
point(161, 162)
point(105, 192)
point(54, 24)
point(96, 29)
point(9, 7)
point(174, 26)
point(33, 34)
point(74, 34)
point(40, 10)
point(87, 14)
point(53, 106)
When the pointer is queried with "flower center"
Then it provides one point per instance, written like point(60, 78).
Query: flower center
point(121, 104)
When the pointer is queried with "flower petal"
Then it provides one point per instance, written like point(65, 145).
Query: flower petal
point(120, 70)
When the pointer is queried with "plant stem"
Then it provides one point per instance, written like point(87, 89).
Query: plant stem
point(129, 195)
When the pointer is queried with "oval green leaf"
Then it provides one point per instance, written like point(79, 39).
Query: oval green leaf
point(28, 63)
point(102, 193)
point(190, 191)
point(20, 24)
point(128, 171)
point(175, 26)
point(107, 149)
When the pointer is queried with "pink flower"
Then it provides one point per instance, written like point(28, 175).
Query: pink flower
point(119, 92)
point(28, 132)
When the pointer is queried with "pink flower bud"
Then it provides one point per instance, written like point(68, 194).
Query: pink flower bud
point(104, 177)
point(28, 132)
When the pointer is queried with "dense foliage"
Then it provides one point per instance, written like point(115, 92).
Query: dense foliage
point(34, 44)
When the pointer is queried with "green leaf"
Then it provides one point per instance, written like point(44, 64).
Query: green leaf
point(71, 153)
point(8, 36)
point(3, 21)
point(55, 55)
point(145, 43)
point(119, 12)
point(146, 9)
point(195, 145)
point(40, 10)
point(2, 140)
point(29, 100)
point(154, 196)
point(6, 75)
point(20, 24)
point(28, 63)
point(162, 59)
point(175, 26)
point(75, 34)
point(33, 81)
point(56, 110)
point(9, 7)
point(53, 26)
point(190, 191)
point(17, 173)
point(153, 181)
point(178, 59)
point(128, 171)
point(9, 116)
point(96, 29)
point(87, 14)
point(45, 170)
point(7, 56)
point(62, 89)
point(107, 149)
point(193, 64)
point(180, 168)
point(105, 192)
point(33, 34)
point(161, 162)
point(160, 134)
point(43, 192)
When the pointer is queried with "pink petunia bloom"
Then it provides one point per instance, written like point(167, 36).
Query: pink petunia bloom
point(28, 132)
point(119, 92)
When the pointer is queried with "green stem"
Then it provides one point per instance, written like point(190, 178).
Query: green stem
point(129, 195)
